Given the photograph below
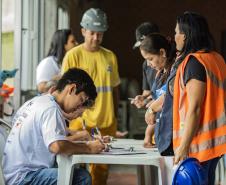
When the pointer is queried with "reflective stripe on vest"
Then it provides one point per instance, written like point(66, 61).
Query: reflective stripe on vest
point(104, 89)
point(195, 148)
point(206, 126)
point(216, 81)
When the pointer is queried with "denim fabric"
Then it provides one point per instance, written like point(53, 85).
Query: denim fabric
point(225, 161)
point(164, 128)
point(210, 167)
point(157, 84)
point(48, 176)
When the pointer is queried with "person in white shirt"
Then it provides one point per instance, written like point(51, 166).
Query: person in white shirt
point(39, 133)
point(62, 41)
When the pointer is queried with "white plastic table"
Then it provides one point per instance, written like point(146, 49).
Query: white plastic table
point(151, 158)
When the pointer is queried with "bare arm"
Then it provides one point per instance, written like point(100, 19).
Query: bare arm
point(69, 148)
point(153, 107)
point(45, 86)
point(141, 100)
point(82, 135)
point(42, 87)
point(146, 93)
point(156, 105)
point(195, 92)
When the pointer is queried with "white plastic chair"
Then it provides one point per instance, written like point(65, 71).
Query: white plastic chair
point(4, 132)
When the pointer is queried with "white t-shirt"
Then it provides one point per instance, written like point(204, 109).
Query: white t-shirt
point(37, 124)
point(47, 69)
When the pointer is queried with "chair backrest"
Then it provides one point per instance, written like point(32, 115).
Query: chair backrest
point(4, 132)
point(2, 180)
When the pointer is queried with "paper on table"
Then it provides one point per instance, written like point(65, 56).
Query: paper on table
point(123, 152)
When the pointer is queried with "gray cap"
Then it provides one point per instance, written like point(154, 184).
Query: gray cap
point(94, 19)
point(143, 30)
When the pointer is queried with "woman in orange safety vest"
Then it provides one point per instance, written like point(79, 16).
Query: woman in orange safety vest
point(199, 119)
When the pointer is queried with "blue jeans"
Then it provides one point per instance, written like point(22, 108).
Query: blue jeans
point(48, 176)
point(210, 167)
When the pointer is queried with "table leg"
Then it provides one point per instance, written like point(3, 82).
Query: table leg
point(65, 170)
point(140, 175)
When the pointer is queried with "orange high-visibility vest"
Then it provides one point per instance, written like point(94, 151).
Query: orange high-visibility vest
point(210, 140)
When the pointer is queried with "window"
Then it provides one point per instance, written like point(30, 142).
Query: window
point(63, 20)
point(7, 37)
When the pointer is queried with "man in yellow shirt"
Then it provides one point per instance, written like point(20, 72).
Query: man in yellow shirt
point(101, 64)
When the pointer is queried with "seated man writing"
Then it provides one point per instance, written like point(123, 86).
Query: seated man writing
point(39, 133)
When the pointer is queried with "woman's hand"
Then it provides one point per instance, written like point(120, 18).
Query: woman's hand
point(138, 101)
point(180, 154)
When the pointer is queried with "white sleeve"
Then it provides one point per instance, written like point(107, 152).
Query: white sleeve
point(53, 126)
point(46, 70)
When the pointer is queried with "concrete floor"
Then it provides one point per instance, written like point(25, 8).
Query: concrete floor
point(122, 175)
point(122, 179)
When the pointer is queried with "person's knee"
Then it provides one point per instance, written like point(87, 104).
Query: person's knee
point(52, 173)
point(46, 176)
point(82, 176)
point(49, 176)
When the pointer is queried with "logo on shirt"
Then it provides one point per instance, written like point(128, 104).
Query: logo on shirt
point(109, 68)
point(24, 115)
point(18, 124)
point(30, 103)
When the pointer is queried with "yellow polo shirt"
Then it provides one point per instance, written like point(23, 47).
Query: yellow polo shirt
point(102, 66)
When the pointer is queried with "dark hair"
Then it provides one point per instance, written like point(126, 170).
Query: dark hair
point(146, 28)
point(82, 80)
point(58, 41)
point(152, 43)
point(197, 34)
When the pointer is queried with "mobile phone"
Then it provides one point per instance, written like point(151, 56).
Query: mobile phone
point(130, 99)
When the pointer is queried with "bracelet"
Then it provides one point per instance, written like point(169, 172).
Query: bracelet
point(151, 111)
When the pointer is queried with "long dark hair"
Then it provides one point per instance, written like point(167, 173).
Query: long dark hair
point(152, 43)
point(58, 41)
point(197, 34)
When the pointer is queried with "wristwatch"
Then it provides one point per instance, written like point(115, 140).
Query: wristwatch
point(151, 111)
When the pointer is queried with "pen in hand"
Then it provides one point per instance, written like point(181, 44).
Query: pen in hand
point(92, 133)
point(100, 136)
point(83, 124)
point(98, 132)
